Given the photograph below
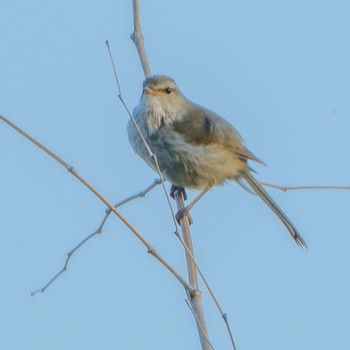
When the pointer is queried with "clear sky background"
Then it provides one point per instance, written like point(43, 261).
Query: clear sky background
point(278, 71)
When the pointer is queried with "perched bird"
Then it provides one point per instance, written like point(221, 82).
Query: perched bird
point(195, 148)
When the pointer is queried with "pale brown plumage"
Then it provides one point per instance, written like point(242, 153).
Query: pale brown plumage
point(194, 146)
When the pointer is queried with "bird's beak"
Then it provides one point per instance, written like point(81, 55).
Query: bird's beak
point(149, 91)
point(153, 92)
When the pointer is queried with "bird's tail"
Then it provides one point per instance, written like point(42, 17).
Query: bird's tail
point(260, 191)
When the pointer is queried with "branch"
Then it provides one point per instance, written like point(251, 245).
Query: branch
point(198, 322)
point(294, 188)
point(195, 298)
point(210, 290)
point(96, 232)
point(137, 38)
point(143, 240)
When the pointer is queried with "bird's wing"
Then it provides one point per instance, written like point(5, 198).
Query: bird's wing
point(203, 127)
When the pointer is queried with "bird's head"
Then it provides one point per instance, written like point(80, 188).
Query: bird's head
point(162, 90)
point(160, 86)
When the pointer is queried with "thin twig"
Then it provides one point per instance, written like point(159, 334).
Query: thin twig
point(141, 194)
point(96, 232)
point(153, 156)
point(149, 247)
point(225, 317)
point(294, 188)
point(114, 68)
point(69, 255)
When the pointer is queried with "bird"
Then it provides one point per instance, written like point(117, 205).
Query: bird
point(194, 147)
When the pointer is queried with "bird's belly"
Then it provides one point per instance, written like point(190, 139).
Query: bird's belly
point(185, 164)
point(195, 166)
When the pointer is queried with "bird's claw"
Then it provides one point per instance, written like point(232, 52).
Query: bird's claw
point(181, 214)
point(174, 188)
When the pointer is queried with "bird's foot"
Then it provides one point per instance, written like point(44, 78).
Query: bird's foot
point(184, 211)
point(181, 214)
point(174, 188)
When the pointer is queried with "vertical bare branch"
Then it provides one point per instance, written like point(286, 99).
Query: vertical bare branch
point(195, 297)
point(210, 290)
point(198, 322)
point(137, 38)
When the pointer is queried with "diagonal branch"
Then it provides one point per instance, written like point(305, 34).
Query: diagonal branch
point(151, 250)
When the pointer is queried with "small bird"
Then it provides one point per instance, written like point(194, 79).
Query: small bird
point(195, 148)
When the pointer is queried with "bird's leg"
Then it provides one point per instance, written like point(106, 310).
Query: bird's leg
point(182, 191)
point(174, 188)
point(185, 211)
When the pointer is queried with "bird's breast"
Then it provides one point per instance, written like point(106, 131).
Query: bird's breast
point(182, 163)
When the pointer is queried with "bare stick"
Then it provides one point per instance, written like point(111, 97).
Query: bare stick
point(195, 316)
point(153, 156)
point(195, 298)
point(141, 194)
point(96, 232)
point(149, 247)
point(210, 290)
point(294, 188)
point(137, 38)
point(69, 255)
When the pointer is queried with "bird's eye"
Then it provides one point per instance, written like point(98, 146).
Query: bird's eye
point(168, 90)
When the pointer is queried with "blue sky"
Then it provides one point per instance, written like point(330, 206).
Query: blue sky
point(278, 71)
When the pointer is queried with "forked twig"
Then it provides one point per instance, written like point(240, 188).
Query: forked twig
point(96, 232)
point(149, 247)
